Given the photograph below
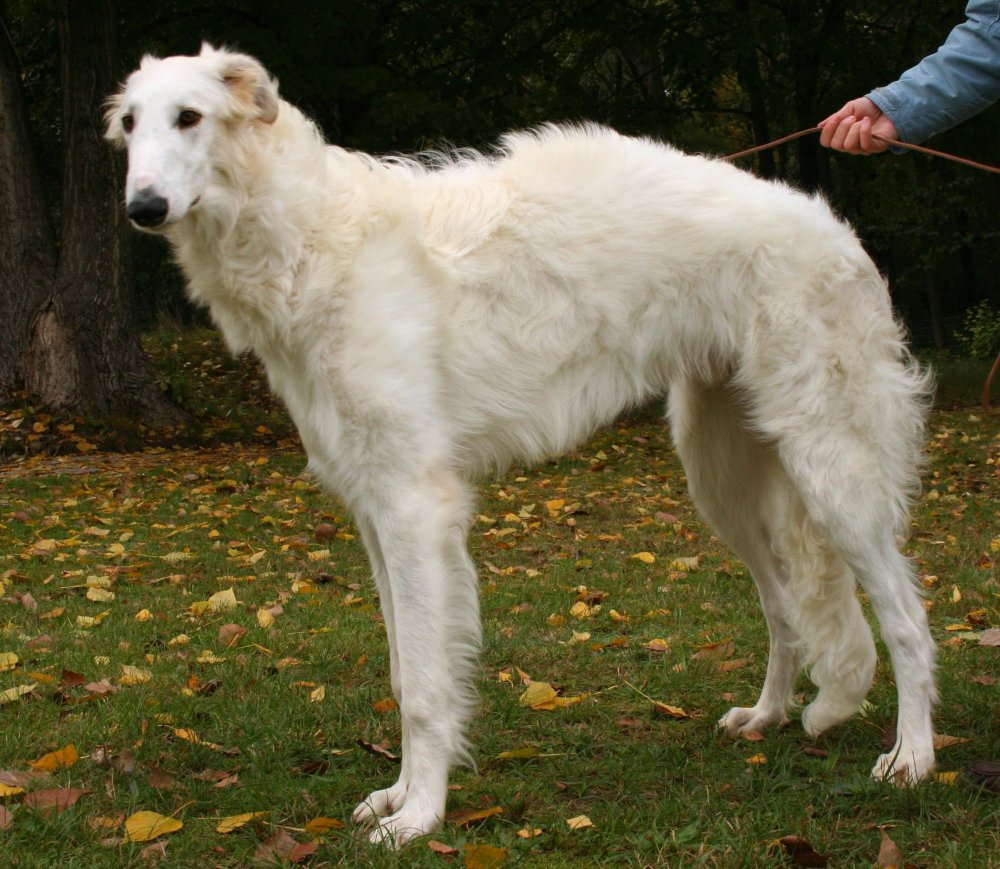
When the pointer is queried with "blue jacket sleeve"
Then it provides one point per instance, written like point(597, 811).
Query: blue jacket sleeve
point(959, 80)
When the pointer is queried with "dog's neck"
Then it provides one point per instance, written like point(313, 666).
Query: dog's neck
point(241, 247)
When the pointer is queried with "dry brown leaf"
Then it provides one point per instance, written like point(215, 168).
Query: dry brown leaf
point(160, 779)
point(17, 778)
point(733, 664)
point(942, 740)
point(231, 634)
point(53, 801)
point(442, 849)
point(889, 855)
point(990, 637)
point(381, 750)
point(801, 852)
point(984, 773)
point(721, 649)
point(6, 818)
point(279, 848)
point(383, 706)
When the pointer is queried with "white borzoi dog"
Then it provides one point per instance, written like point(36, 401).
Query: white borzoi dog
point(429, 321)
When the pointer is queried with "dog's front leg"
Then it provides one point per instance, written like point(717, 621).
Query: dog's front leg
point(428, 591)
point(384, 802)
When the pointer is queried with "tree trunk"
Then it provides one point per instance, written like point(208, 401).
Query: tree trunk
point(83, 349)
point(749, 75)
point(27, 242)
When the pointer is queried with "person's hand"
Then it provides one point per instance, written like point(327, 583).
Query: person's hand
point(855, 127)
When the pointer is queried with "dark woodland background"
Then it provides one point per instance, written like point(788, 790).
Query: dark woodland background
point(76, 287)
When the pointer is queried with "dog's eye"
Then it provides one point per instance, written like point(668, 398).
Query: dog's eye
point(128, 122)
point(188, 118)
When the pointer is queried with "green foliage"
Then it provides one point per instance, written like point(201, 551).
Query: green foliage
point(980, 333)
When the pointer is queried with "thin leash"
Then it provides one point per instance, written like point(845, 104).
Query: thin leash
point(895, 144)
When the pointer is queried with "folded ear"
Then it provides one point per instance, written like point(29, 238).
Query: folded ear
point(113, 131)
point(254, 92)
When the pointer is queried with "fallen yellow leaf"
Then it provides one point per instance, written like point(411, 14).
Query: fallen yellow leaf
point(100, 595)
point(581, 610)
point(484, 856)
point(134, 675)
point(264, 618)
point(8, 661)
point(319, 826)
point(63, 758)
point(464, 817)
point(538, 695)
point(9, 790)
point(92, 621)
point(645, 557)
point(669, 711)
point(234, 822)
point(580, 822)
point(757, 760)
point(222, 600)
point(146, 826)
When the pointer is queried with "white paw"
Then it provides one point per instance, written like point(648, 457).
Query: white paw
point(904, 767)
point(819, 717)
point(378, 804)
point(743, 719)
point(403, 827)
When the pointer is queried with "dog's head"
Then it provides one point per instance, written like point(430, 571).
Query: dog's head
point(170, 114)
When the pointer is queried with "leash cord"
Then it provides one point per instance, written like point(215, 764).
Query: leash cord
point(895, 144)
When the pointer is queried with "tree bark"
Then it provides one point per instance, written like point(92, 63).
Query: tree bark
point(27, 241)
point(83, 349)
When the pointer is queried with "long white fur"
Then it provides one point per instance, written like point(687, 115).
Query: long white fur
point(427, 322)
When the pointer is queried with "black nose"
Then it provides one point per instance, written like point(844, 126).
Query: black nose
point(148, 209)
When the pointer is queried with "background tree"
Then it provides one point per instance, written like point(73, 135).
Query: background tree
point(73, 334)
point(398, 75)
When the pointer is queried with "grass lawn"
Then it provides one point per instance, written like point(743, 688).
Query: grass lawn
point(198, 625)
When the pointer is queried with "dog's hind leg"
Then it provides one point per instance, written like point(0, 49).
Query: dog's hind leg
point(429, 591)
point(848, 435)
point(740, 488)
